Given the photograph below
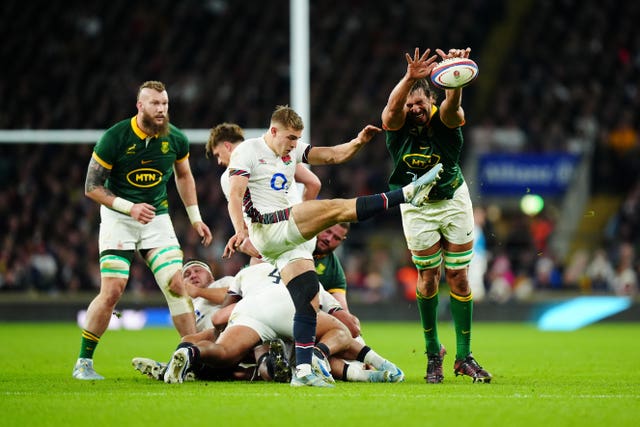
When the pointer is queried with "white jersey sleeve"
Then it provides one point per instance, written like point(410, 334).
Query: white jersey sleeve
point(224, 183)
point(204, 309)
point(328, 303)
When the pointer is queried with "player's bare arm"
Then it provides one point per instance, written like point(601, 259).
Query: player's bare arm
point(309, 180)
point(94, 189)
point(186, 185)
point(418, 67)
point(96, 177)
point(237, 187)
point(342, 152)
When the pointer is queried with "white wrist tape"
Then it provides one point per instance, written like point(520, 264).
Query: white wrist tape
point(122, 205)
point(194, 214)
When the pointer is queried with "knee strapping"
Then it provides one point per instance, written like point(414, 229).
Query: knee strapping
point(114, 266)
point(457, 260)
point(428, 261)
point(303, 289)
point(164, 265)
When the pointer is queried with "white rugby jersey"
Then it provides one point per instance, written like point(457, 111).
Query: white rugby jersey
point(294, 194)
point(271, 177)
point(264, 280)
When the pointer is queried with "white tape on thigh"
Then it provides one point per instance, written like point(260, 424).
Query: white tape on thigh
point(164, 265)
point(457, 260)
point(428, 261)
point(114, 266)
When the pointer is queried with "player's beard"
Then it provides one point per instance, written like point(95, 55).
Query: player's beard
point(149, 123)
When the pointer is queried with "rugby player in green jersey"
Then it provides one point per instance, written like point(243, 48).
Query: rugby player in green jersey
point(419, 135)
point(128, 174)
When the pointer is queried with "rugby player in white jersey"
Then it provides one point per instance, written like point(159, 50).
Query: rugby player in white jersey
point(261, 311)
point(207, 295)
point(261, 175)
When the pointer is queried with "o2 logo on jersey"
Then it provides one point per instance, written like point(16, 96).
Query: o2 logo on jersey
point(144, 177)
point(279, 182)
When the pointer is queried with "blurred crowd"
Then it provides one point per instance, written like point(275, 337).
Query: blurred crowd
point(555, 76)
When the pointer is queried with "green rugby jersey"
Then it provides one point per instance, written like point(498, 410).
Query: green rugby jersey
point(330, 273)
point(414, 150)
point(140, 165)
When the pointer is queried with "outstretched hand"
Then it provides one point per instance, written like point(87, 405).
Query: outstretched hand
point(367, 134)
point(420, 66)
point(454, 53)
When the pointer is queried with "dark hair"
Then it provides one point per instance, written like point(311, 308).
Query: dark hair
point(229, 132)
point(424, 85)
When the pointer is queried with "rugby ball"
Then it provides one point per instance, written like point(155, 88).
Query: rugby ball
point(454, 73)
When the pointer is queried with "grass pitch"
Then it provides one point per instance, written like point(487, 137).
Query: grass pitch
point(589, 377)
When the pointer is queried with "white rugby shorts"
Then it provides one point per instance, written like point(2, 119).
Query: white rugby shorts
point(281, 242)
point(121, 232)
point(453, 219)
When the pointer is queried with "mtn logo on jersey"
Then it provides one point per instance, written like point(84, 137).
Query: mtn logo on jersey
point(144, 177)
point(420, 161)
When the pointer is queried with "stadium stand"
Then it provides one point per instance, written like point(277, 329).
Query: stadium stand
point(564, 78)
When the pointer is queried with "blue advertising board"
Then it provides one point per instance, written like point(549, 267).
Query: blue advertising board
point(547, 174)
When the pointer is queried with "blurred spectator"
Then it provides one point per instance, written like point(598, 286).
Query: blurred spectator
point(625, 281)
point(600, 272)
point(480, 260)
point(568, 81)
point(501, 278)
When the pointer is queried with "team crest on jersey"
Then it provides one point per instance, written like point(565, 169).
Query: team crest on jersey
point(144, 177)
point(262, 161)
point(132, 149)
point(164, 147)
point(320, 268)
point(286, 159)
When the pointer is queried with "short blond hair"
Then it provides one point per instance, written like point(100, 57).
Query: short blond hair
point(287, 117)
point(151, 84)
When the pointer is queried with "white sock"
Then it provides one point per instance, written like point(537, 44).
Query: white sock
point(356, 374)
point(303, 370)
point(374, 359)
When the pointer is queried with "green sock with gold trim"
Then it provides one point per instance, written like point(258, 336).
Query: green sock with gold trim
point(88, 344)
point(428, 309)
point(462, 312)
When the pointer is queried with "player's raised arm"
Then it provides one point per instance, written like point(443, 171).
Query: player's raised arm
point(342, 152)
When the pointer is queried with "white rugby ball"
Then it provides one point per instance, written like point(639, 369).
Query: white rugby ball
point(453, 73)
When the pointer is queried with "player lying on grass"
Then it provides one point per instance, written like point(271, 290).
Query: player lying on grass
point(264, 312)
point(262, 315)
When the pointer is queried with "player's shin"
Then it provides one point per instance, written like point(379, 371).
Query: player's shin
point(303, 289)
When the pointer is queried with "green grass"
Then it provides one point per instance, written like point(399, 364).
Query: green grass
point(588, 377)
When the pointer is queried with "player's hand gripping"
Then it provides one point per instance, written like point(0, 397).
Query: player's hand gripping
point(454, 53)
point(234, 243)
point(143, 212)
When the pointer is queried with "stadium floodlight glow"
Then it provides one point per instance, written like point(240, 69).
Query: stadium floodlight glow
point(531, 204)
